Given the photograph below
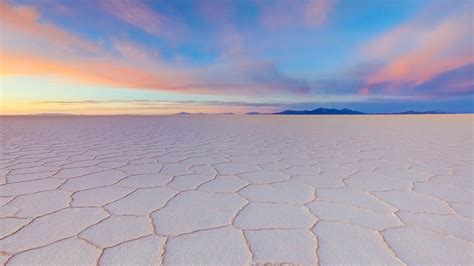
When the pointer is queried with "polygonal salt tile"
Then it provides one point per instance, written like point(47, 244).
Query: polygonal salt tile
point(179, 221)
point(445, 192)
point(263, 177)
point(10, 225)
point(274, 166)
point(145, 180)
point(8, 211)
point(459, 181)
point(410, 175)
point(271, 215)
point(235, 168)
point(363, 217)
point(432, 169)
point(355, 198)
point(412, 201)
point(298, 161)
point(116, 230)
point(75, 172)
point(105, 178)
point(40, 203)
point(78, 164)
point(379, 163)
point(217, 246)
point(370, 181)
point(175, 169)
point(254, 159)
point(281, 192)
point(302, 170)
point(112, 164)
point(204, 200)
point(203, 170)
point(223, 184)
point(359, 166)
point(446, 224)
point(29, 176)
point(4, 258)
point(142, 201)
point(463, 170)
point(5, 200)
point(322, 180)
point(421, 247)
point(293, 246)
point(143, 251)
point(34, 169)
point(66, 223)
point(171, 158)
point(341, 243)
point(186, 182)
point(203, 160)
point(136, 169)
point(99, 196)
point(332, 169)
point(28, 187)
point(464, 209)
point(142, 161)
point(70, 251)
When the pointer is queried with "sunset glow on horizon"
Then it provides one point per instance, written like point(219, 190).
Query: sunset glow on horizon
point(165, 57)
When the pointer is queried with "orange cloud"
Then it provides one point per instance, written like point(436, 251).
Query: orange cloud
point(108, 71)
point(46, 49)
point(415, 52)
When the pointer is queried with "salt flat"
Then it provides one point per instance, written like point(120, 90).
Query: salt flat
point(237, 190)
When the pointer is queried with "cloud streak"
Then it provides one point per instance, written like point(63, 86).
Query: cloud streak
point(286, 13)
point(418, 51)
point(140, 15)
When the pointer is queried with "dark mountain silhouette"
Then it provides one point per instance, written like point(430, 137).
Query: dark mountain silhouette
point(419, 113)
point(321, 111)
point(254, 113)
point(183, 113)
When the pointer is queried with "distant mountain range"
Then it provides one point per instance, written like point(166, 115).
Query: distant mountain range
point(321, 111)
point(186, 113)
point(344, 111)
point(318, 111)
point(420, 113)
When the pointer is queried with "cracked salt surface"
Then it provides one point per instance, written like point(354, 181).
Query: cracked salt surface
point(237, 190)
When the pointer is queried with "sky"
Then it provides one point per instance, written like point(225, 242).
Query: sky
point(215, 56)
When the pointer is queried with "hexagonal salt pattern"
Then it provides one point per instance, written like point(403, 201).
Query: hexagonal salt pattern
point(236, 190)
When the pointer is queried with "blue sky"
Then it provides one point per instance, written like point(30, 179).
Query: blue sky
point(137, 56)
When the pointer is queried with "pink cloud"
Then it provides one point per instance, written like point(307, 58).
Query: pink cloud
point(140, 15)
point(308, 13)
point(363, 91)
point(415, 52)
point(317, 11)
point(25, 20)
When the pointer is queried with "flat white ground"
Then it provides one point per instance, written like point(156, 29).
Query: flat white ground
point(237, 190)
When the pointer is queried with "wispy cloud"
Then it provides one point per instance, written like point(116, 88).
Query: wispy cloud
point(422, 49)
point(19, 21)
point(284, 13)
point(140, 15)
point(132, 66)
